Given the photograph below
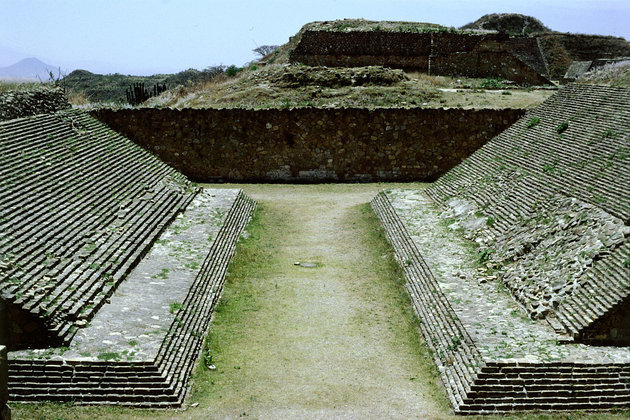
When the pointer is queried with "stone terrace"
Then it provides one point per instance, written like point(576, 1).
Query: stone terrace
point(556, 237)
point(112, 264)
point(81, 205)
point(491, 355)
point(426, 49)
point(141, 348)
point(556, 182)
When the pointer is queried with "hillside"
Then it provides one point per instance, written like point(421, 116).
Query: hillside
point(263, 84)
point(111, 87)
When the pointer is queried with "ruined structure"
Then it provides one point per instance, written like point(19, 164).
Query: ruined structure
point(111, 264)
point(573, 176)
point(577, 69)
point(514, 47)
point(24, 103)
point(436, 52)
point(311, 145)
point(561, 49)
point(548, 200)
point(112, 261)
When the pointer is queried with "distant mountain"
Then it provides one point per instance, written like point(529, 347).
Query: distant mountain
point(29, 68)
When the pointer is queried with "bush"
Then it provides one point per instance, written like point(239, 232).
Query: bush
point(561, 128)
point(233, 71)
point(492, 84)
point(533, 122)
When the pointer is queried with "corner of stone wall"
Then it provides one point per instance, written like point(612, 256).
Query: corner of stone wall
point(5, 412)
point(40, 100)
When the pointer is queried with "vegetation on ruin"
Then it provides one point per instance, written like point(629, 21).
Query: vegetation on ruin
point(297, 86)
point(362, 25)
point(6, 86)
point(513, 24)
point(616, 75)
point(255, 341)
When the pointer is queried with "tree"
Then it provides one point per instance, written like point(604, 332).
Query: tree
point(265, 50)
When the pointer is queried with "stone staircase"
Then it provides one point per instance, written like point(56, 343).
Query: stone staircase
point(82, 206)
point(162, 382)
point(478, 384)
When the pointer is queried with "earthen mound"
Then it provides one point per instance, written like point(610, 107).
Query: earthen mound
point(510, 23)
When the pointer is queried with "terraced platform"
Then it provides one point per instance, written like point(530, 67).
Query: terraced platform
point(80, 206)
point(112, 264)
point(537, 316)
point(549, 198)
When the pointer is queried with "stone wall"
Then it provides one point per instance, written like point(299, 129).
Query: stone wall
point(71, 187)
point(561, 49)
point(486, 64)
point(613, 329)
point(5, 413)
point(43, 100)
point(440, 53)
point(310, 145)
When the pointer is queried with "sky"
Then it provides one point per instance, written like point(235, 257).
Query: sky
point(165, 36)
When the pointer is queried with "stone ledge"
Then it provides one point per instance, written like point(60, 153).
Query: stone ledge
point(159, 383)
point(498, 385)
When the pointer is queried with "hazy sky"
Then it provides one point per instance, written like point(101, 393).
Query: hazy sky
point(145, 37)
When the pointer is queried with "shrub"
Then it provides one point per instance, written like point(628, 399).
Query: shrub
point(492, 84)
point(533, 122)
point(233, 71)
point(484, 255)
point(562, 127)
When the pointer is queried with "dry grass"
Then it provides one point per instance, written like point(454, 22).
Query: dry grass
point(76, 98)
point(437, 81)
point(18, 85)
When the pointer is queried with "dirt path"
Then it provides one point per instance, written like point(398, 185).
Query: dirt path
point(337, 340)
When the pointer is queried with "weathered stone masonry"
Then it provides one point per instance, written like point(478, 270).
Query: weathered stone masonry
point(543, 191)
point(441, 53)
point(82, 209)
point(310, 145)
point(44, 99)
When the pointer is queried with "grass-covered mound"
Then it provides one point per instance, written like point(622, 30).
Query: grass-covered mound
point(286, 86)
point(511, 23)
